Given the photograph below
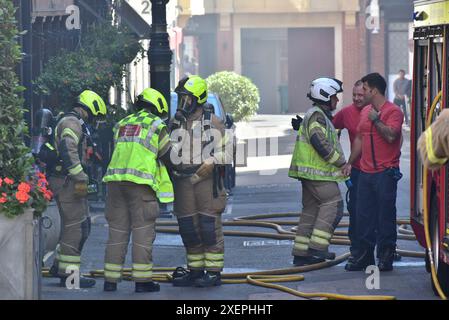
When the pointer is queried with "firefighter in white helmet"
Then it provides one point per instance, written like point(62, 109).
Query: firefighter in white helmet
point(317, 162)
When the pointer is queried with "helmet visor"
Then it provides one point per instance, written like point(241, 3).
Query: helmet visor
point(185, 103)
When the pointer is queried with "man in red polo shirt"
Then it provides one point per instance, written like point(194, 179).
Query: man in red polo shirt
point(349, 118)
point(378, 142)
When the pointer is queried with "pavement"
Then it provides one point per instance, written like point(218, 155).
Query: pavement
point(262, 187)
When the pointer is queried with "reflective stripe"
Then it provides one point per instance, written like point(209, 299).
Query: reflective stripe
point(322, 234)
point(65, 258)
point(318, 126)
point(214, 256)
point(76, 170)
point(429, 147)
point(195, 260)
point(320, 240)
point(334, 158)
point(302, 247)
point(300, 239)
point(133, 172)
point(142, 267)
point(113, 267)
point(69, 132)
point(164, 142)
point(142, 274)
point(49, 146)
point(214, 260)
point(112, 274)
point(144, 142)
point(166, 195)
point(62, 266)
point(311, 171)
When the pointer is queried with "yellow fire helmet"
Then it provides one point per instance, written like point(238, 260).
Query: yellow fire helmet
point(93, 103)
point(152, 99)
point(195, 86)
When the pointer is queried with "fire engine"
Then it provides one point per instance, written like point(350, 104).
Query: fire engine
point(430, 190)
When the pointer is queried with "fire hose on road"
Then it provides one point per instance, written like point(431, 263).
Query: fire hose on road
point(268, 278)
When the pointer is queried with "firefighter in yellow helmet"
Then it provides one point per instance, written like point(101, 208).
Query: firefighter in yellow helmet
point(199, 143)
point(69, 181)
point(136, 178)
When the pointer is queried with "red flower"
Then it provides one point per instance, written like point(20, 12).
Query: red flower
point(42, 176)
point(24, 187)
point(23, 197)
point(3, 199)
point(8, 181)
point(48, 195)
point(1, 182)
point(42, 183)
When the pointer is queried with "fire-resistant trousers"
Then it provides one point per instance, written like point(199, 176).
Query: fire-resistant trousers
point(322, 212)
point(130, 208)
point(200, 226)
point(75, 224)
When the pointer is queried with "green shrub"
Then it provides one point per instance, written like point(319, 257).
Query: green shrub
point(239, 95)
point(20, 186)
point(15, 160)
point(98, 65)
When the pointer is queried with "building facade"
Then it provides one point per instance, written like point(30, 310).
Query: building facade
point(283, 44)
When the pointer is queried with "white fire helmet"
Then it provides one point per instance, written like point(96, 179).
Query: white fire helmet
point(322, 89)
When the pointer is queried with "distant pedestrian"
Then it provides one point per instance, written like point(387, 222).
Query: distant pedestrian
point(401, 92)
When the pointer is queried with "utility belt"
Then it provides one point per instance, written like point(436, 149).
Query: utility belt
point(218, 175)
point(185, 173)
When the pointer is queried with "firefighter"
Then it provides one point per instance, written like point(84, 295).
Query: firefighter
point(136, 178)
point(432, 143)
point(200, 197)
point(69, 181)
point(317, 162)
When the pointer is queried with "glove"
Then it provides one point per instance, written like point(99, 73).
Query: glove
point(204, 171)
point(296, 123)
point(81, 189)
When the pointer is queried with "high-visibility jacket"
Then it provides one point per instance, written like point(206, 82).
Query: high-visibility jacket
point(306, 162)
point(135, 156)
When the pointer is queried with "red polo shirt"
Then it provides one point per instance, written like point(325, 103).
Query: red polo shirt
point(386, 154)
point(349, 118)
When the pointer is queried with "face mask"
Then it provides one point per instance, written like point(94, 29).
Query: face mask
point(186, 104)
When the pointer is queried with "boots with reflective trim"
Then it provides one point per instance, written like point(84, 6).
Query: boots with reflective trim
point(110, 286)
point(299, 261)
point(84, 282)
point(147, 286)
point(186, 278)
point(364, 258)
point(209, 279)
point(322, 254)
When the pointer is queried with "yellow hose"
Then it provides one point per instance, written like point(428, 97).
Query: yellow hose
point(266, 278)
point(426, 209)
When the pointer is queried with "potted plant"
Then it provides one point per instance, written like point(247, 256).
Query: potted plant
point(23, 191)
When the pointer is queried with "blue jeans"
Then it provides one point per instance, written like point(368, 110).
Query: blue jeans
point(376, 209)
point(352, 204)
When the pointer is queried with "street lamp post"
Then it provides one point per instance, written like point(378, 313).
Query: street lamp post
point(160, 55)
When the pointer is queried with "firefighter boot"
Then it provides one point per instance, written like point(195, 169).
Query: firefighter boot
point(84, 282)
point(322, 254)
point(186, 278)
point(110, 286)
point(209, 279)
point(386, 259)
point(299, 261)
point(364, 258)
point(147, 286)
